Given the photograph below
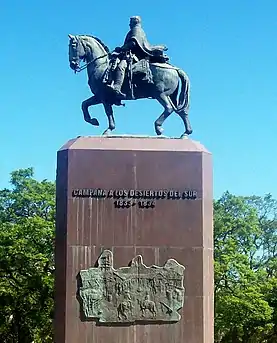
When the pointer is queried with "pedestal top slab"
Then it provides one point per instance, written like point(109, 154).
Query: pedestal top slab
point(142, 143)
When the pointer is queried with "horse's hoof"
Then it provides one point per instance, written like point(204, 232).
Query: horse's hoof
point(184, 136)
point(159, 130)
point(188, 132)
point(106, 132)
point(94, 122)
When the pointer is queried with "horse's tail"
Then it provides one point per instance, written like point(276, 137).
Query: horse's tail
point(183, 101)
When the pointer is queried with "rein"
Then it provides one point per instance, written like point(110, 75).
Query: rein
point(79, 69)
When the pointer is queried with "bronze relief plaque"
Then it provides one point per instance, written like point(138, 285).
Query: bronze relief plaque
point(133, 293)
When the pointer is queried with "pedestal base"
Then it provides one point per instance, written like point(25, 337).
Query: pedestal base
point(134, 196)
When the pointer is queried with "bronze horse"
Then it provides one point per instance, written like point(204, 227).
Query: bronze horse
point(164, 89)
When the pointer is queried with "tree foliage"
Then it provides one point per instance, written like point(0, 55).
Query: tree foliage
point(26, 259)
point(245, 269)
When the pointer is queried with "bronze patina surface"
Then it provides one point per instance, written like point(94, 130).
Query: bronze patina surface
point(133, 293)
point(136, 70)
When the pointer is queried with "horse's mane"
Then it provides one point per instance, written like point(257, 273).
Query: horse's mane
point(99, 41)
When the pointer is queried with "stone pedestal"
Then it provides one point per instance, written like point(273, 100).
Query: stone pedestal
point(178, 225)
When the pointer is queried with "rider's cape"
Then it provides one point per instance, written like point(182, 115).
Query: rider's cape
point(138, 35)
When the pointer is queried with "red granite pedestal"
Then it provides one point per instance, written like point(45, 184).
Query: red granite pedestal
point(175, 228)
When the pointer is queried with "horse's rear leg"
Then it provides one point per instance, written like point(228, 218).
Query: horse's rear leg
point(168, 109)
point(85, 105)
point(109, 113)
point(186, 121)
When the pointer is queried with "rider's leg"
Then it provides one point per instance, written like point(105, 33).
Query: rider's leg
point(119, 77)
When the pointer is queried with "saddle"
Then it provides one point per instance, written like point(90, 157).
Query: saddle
point(138, 72)
point(142, 67)
point(141, 72)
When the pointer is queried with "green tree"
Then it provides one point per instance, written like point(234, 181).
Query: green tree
point(27, 212)
point(245, 269)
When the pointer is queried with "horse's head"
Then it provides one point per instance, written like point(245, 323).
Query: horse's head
point(85, 48)
point(76, 51)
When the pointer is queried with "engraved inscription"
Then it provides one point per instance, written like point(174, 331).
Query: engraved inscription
point(134, 194)
point(128, 198)
point(133, 293)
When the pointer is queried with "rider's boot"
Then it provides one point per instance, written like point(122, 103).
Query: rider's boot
point(119, 78)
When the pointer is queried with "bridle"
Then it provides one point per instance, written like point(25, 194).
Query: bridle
point(79, 69)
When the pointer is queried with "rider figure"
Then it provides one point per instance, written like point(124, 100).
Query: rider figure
point(135, 46)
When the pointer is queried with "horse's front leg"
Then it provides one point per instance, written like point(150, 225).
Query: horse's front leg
point(85, 105)
point(109, 113)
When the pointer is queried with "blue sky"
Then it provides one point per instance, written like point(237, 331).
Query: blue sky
point(228, 49)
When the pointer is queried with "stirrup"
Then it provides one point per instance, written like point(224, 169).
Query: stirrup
point(120, 94)
point(116, 91)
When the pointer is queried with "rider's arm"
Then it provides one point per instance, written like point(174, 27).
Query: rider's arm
point(129, 45)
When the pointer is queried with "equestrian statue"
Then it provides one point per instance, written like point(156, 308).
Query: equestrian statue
point(136, 70)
